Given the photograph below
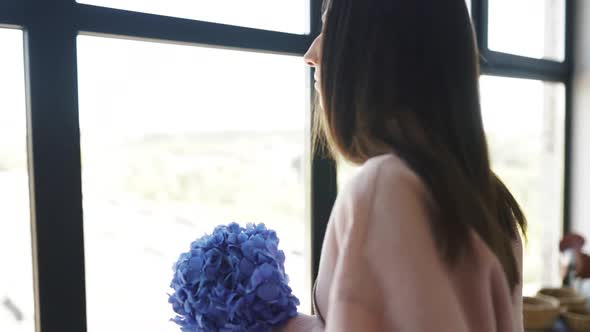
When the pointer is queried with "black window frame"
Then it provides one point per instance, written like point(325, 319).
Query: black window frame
point(50, 29)
point(515, 66)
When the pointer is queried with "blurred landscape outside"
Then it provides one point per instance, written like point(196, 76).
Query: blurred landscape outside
point(16, 261)
point(178, 139)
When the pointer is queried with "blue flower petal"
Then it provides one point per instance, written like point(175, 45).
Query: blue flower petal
point(268, 291)
point(196, 263)
point(248, 249)
point(246, 267)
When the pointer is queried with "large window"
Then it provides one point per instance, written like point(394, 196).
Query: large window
point(151, 121)
point(525, 111)
point(541, 35)
point(200, 138)
point(525, 127)
point(16, 278)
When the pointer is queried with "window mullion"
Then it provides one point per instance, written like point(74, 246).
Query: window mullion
point(504, 64)
point(11, 13)
point(122, 23)
point(54, 166)
point(479, 12)
point(570, 21)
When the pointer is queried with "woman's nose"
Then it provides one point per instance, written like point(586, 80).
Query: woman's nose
point(311, 58)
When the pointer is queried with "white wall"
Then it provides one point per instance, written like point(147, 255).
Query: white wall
point(580, 190)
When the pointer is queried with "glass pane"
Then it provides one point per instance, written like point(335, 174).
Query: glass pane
point(525, 125)
point(286, 15)
point(532, 28)
point(176, 140)
point(16, 278)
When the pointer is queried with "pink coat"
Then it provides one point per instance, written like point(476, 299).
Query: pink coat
point(380, 269)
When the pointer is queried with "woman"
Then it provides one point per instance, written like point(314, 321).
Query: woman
point(425, 237)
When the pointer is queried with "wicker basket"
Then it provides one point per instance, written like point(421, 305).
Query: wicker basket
point(578, 320)
point(539, 312)
point(568, 298)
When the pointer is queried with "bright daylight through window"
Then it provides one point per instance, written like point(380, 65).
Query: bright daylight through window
point(541, 35)
point(176, 140)
point(525, 126)
point(16, 278)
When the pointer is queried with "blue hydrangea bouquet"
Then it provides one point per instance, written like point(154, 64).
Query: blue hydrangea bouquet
point(232, 280)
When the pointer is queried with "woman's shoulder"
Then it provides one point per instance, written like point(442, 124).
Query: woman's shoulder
point(383, 187)
point(387, 172)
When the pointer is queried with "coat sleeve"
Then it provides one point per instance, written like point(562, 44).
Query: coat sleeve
point(302, 323)
point(389, 276)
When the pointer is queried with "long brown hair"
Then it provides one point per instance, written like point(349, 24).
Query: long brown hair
point(402, 75)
